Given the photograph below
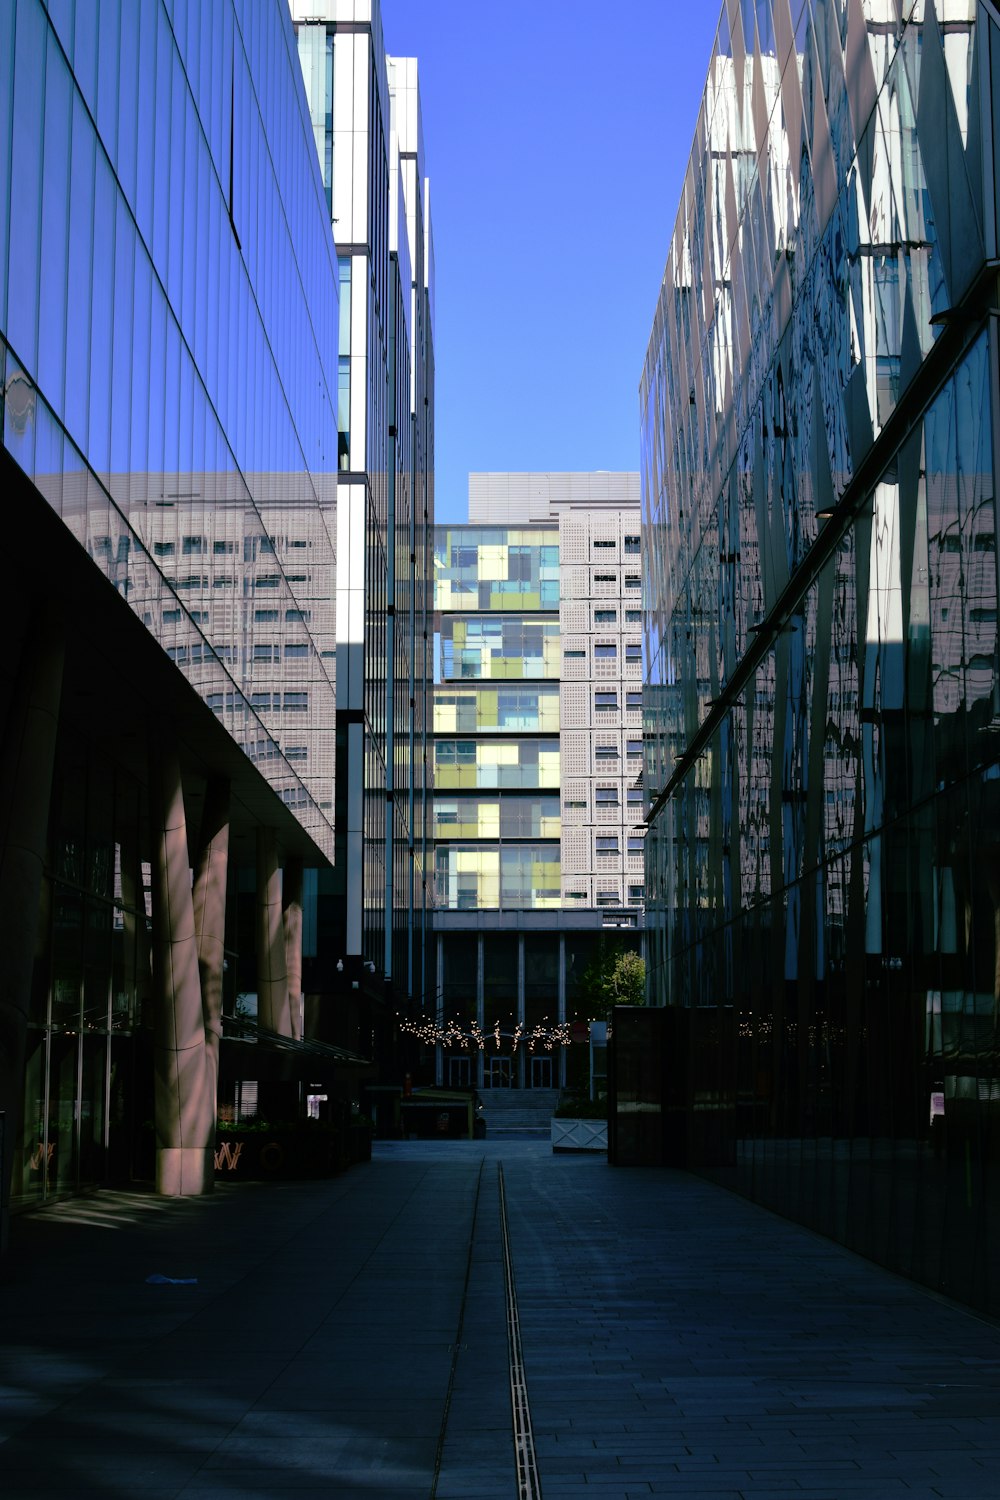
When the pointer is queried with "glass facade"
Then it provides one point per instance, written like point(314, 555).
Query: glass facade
point(510, 728)
point(819, 459)
point(487, 568)
point(530, 782)
point(496, 763)
point(158, 226)
point(365, 112)
point(168, 364)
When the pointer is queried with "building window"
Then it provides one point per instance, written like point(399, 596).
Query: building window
point(606, 700)
point(635, 843)
point(605, 544)
point(606, 796)
point(633, 581)
point(605, 616)
point(636, 894)
point(633, 748)
point(163, 549)
point(263, 653)
point(574, 654)
point(296, 616)
point(633, 651)
point(576, 803)
point(608, 898)
point(171, 617)
point(633, 701)
point(606, 843)
point(223, 549)
point(633, 617)
point(296, 701)
point(632, 545)
point(296, 650)
point(605, 652)
point(634, 796)
point(605, 578)
point(606, 752)
point(193, 546)
point(265, 616)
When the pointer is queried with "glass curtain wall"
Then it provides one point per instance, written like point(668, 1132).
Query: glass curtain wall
point(823, 753)
point(497, 686)
point(90, 985)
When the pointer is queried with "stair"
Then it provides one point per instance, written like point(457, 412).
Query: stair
point(513, 1113)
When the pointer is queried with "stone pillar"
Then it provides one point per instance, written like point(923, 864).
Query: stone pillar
point(272, 980)
point(209, 899)
point(27, 756)
point(183, 1101)
point(291, 899)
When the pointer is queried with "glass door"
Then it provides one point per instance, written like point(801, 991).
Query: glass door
point(459, 1072)
point(541, 1072)
point(499, 1076)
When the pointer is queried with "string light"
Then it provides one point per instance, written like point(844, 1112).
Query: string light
point(469, 1034)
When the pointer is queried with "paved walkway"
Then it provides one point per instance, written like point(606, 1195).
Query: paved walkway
point(349, 1338)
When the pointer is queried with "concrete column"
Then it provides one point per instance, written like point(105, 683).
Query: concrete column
point(183, 1100)
point(27, 756)
point(272, 979)
point(291, 896)
point(210, 880)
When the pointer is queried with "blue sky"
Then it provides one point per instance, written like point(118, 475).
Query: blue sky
point(557, 133)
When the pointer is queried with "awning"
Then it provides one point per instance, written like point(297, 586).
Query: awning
point(250, 1050)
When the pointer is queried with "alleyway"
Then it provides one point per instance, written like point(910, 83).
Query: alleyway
point(350, 1338)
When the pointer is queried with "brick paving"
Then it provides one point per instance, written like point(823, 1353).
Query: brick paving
point(677, 1341)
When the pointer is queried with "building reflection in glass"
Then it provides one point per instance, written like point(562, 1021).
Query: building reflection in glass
point(821, 707)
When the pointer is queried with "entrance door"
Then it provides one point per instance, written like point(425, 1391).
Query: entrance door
point(499, 1075)
point(541, 1072)
point(459, 1072)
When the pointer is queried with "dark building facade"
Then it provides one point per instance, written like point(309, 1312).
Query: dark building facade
point(819, 462)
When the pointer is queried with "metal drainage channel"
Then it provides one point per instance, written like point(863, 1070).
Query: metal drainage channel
point(528, 1485)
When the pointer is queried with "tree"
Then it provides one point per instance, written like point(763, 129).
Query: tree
point(617, 976)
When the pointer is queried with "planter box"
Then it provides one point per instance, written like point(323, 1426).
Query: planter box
point(579, 1135)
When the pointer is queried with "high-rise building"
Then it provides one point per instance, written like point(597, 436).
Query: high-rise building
point(537, 752)
point(365, 110)
point(819, 475)
point(168, 332)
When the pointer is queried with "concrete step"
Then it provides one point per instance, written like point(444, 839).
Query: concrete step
point(515, 1099)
